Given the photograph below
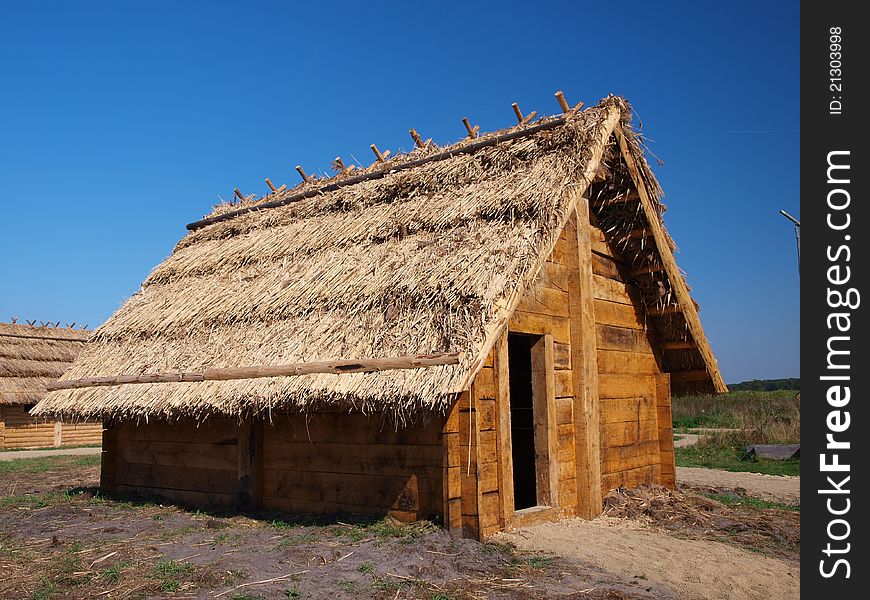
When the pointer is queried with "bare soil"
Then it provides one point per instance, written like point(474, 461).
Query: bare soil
point(60, 539)
point(777, 488)
point(682, 543)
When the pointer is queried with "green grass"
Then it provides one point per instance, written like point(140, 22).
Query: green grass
point(733, 458)
point(751, 502)
point(42, 464)
point(169, 572)
point(770, 415)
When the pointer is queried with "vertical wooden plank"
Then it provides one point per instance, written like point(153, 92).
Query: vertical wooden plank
point(505, 456)
point(544, 410)
point(109, 457)
point(665, 431)
point(468, 469)
point(58, 432)
point(584, 363)
point(452, 495)
point(249, 490)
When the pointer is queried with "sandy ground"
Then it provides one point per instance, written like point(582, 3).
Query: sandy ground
point(16, 454)
point(672, 567)
point(776, 488)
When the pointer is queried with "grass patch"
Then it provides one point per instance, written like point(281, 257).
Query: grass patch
point(42, 464)
point(733, 458)
point(169, 574)
point(749, 501)
point(770, 417)
point(381, 530)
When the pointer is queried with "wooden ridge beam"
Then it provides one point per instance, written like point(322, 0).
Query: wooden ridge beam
point(687, 376)
point(670, 309)
point(679, 345)
point(366, 365)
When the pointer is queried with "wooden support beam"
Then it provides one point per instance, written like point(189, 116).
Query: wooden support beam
point(472, 131)
point(584, 364)
point(366, 365)
point(679, 345)
point(681, 290)
point(302, 173)
point(380, 156)
point(647, 269)
point(670, 309)
point(685, 376)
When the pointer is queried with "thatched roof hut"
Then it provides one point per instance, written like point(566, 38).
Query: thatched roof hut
point(436, 252)
point(418, 261)
point(30, 358)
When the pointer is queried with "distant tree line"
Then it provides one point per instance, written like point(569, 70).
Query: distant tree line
point(766, 385)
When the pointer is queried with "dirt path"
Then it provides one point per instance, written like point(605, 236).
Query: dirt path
point(672, 567)
point(777, 488)
point(17, 454)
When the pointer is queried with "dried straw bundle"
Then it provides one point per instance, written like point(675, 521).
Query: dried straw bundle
point(31, 357)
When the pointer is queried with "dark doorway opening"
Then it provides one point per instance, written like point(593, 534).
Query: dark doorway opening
point(522, 420)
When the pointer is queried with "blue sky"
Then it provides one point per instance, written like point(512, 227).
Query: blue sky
point(121, 122)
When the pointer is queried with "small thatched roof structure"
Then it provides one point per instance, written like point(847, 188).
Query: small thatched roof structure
point(409, 256)
point(31, 357)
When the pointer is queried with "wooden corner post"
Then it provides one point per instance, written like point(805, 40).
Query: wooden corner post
point(109, 457)
point(584, 361)
point(249, 492)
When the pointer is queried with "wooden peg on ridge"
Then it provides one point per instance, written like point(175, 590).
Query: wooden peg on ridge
point(381, 156)
point(472, 131)
point(302, 173)
point(520, 118)
point(271, 185)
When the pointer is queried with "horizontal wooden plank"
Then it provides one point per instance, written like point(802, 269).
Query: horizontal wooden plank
point(625, 386)
point(384, 459)
point(609, 337)
point(564, 410)
point(611, 290)
point(352, 428)
point(616, 410)
point(545, 301)
point(176, 478)
point(524, 322)
point(183, 497)
point(564, 383)
point(619, 315)
point(616, 362)
point(561, 356)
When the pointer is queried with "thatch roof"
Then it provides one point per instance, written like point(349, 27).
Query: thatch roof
point(408, 261)
point(30, 357)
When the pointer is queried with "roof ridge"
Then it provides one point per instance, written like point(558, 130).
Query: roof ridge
point(383, 167)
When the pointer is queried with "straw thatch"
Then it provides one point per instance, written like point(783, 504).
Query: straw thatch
point(31, 357)
point(418, 261)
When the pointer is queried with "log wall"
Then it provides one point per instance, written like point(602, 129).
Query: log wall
point(321, 463)
point(629, 376)
point(18, 429)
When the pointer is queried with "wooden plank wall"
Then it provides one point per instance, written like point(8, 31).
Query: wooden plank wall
point(628, 375)
point(177, 461)
point(338, 462)
point(666, 430)
point(18, 429)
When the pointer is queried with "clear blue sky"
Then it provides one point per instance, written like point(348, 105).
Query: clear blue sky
point(121, 121)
